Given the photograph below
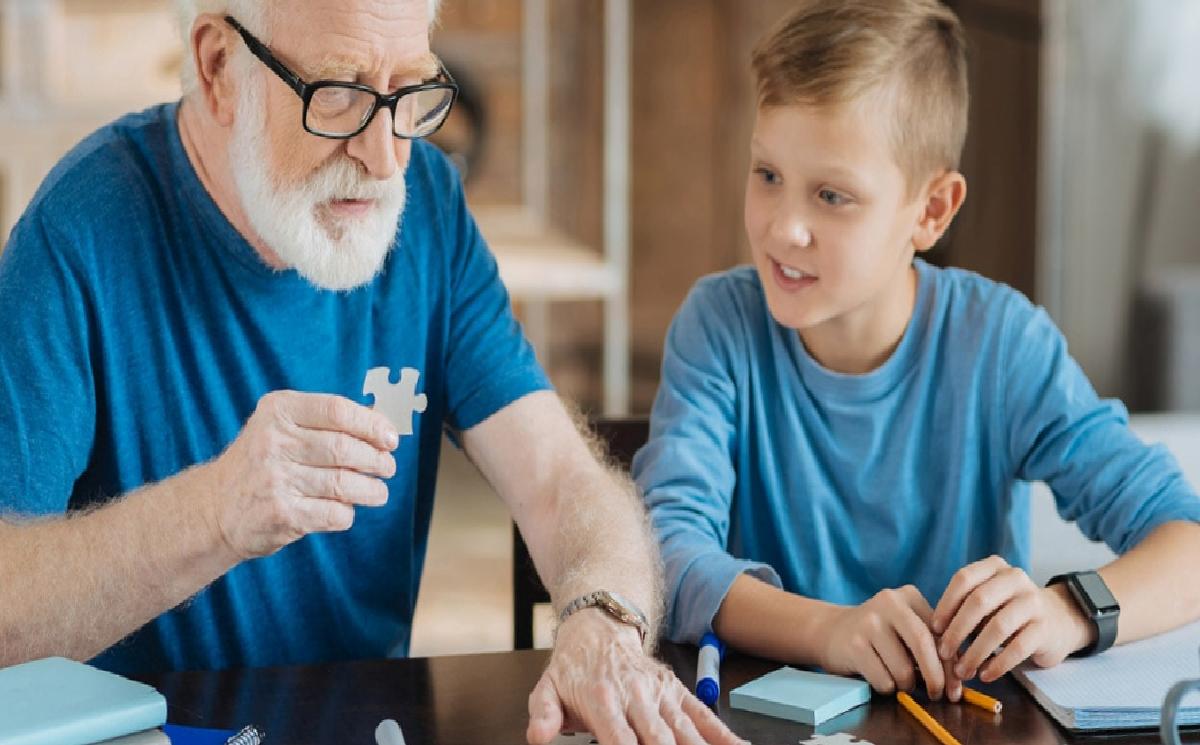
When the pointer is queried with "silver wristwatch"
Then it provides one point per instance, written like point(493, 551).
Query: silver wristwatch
point(613, 604)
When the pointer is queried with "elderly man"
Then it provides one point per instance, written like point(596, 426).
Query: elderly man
point(193, 312)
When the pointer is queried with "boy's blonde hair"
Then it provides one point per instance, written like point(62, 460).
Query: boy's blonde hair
point(909, 53)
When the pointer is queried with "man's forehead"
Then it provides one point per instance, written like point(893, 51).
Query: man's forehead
point(335, 38)
point(339, 64)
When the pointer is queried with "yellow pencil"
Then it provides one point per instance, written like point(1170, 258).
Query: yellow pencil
point(923, 717)
point(982, 700)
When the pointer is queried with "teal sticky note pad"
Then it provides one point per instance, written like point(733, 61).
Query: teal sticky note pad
point(55, 701)
point(801, 696)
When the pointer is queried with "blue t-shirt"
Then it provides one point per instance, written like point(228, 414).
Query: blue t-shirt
point(138, 330)
point(836, 486)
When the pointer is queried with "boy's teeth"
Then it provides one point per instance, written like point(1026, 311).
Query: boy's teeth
point(791, 273)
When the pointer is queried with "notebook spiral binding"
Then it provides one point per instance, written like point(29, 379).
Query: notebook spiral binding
point(247, 736)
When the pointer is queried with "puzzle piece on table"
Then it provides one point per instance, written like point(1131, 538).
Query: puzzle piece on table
point(388, 733)
point(837, 738)
point(397, 401)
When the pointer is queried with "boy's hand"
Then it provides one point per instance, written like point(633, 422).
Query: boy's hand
point(882, 638)
point(1002, 607)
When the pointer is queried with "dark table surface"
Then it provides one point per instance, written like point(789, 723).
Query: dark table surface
point(481, 700)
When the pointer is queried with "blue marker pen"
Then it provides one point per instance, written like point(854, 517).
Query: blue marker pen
point(708, 669)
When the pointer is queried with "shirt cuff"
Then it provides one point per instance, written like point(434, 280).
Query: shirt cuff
point(701, 589)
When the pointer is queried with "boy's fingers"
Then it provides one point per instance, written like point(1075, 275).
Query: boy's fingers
point(963, 583)
point(895, 656)
point(919, 641)
point(1004, 624)
point(872, 668)
point(983, 601)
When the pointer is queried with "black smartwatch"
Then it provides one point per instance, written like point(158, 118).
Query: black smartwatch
point(1097, 603)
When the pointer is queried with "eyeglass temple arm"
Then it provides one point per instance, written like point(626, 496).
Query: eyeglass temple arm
point(258, 49)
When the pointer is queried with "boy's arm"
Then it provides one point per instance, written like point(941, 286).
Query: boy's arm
point(1106, 480)
point(886, 639)
point(686, 470)
point(1046, 624)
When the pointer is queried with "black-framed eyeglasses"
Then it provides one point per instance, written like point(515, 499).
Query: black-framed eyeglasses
point(339, 110)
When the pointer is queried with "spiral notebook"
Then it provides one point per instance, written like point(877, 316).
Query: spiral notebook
point(1123, 688)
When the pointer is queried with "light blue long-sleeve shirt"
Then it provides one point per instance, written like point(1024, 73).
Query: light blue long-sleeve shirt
point(836, 486)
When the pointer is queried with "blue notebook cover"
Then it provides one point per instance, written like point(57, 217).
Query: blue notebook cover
point(801, 696)
point(56, 701)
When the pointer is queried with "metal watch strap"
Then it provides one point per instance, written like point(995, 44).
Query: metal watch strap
point(1106, 624)
point(613, 604)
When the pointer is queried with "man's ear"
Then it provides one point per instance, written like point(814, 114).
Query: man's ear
point(942, 199)
point(213, 47)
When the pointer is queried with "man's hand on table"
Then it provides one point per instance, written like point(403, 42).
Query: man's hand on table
point(600, 680)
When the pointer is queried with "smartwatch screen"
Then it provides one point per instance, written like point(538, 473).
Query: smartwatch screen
point(1097, 592)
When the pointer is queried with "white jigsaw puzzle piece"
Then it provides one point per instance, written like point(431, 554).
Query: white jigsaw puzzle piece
point(837, 738)
point(397, 401)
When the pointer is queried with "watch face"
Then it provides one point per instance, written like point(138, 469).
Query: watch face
point(1097, 593)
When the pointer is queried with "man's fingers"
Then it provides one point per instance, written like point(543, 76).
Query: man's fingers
point(343, 485)
point(545, 713)
point(983, 601)
point(335, 414)
point(682, 726)
point(605, 719)
point(322, 516)
point(961, 585)
point(708, 724)
point(647, 720)
point(326, 449)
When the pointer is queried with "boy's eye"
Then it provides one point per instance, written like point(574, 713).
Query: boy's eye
point(831, 197)
point(769, 177)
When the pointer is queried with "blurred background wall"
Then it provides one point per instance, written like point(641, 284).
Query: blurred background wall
point(1082, 159)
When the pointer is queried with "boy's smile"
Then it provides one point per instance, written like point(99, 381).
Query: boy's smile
point(831, 225)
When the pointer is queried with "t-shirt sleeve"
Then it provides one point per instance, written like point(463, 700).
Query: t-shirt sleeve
point(686, 470)
point(489, 362)
point(1104, 478)
point(47, 397)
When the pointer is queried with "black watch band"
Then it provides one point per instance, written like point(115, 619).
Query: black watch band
point(1097, 603)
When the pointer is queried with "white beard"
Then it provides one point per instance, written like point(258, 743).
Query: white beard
point(295, 221)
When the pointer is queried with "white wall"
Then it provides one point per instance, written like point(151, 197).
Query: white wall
point(1059, 547)
point(1120, 81)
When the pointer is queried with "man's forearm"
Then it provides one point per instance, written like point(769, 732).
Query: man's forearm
point(604, 541)
point(74, 586)
point(584, 523)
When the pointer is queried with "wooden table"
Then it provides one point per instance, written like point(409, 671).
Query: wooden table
point(481, 700)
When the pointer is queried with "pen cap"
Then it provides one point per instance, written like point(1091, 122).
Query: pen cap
point(708, 691)
point(710, 640)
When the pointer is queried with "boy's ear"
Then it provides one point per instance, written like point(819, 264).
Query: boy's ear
point(943, 197)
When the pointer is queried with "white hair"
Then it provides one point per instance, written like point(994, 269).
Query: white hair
point(295, 220)
point(250, 13)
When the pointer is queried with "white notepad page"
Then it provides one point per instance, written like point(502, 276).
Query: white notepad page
point(1131, 676)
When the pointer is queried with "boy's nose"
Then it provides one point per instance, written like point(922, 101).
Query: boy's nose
point(794, 232)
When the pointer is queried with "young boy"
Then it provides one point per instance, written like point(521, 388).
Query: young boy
point(845, 434)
